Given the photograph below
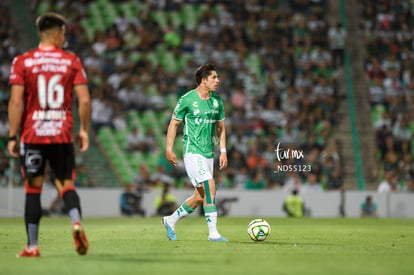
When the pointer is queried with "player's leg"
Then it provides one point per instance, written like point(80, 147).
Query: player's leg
point(33, 164)
point(185, 209)
point(189, 205)
point(209, 202)
point(210, 210)
point(64, 171)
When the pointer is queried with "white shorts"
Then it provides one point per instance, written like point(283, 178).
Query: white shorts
point(198, 168)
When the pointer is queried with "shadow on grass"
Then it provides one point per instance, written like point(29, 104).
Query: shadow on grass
point(268, 242)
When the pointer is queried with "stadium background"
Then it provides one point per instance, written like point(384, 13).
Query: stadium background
point(277, 80)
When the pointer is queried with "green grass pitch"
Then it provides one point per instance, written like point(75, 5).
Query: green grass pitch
point(140, 246)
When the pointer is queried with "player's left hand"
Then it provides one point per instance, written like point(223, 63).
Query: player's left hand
point(83, 140)
point(223, 161)
point(13, 149)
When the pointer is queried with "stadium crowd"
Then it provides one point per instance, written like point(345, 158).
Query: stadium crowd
point(277, 62)
point(386, 27)
point(8, 49)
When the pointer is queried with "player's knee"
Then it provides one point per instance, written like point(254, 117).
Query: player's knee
point(198, 200)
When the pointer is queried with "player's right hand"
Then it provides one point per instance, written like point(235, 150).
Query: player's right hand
point(171, 157)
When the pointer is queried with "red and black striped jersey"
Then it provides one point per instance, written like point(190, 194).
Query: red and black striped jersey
point(48, 76)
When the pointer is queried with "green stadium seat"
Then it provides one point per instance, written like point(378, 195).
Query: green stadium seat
point(105, 133)
point(189, 16)
point(376, 112)
point(102, 3)
point(161, 18)
point(175, 19)
point(160, 51)
point(254, 64)
point(121, 138)
point(134, 120)
point(151, 160)
point(42, 7)
point(94, 10)
point(169, 62)
point(135, 56)
point(153, 59)
point(148, 119)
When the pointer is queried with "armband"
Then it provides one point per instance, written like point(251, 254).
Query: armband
point(223, 150)
point(12, 138)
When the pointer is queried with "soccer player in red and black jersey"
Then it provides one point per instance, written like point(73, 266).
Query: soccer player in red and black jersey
point(40, 111)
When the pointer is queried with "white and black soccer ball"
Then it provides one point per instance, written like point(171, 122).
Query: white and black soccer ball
point(258, 230)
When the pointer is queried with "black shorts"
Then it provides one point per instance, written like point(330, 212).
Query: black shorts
point(61, 159)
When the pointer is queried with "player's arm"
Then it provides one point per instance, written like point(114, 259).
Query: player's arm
point(84, 109)
point(221, 133)
point(15, 110)
point(171, 134)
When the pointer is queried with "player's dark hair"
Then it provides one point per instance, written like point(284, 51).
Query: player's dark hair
point(49, 21)
point(202, 72)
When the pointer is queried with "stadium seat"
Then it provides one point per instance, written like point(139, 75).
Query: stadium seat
point(153, 59)
point(134, 120)
point(135, 56)
point(169, 62)
point(121, 138)
point(253, 63)
point(105, 133)
point(42, 7)
point(175, 19)
point(161, 18)
point(189, 16)
point(102, 3)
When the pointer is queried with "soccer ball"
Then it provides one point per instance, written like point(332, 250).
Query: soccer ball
point(258, 230)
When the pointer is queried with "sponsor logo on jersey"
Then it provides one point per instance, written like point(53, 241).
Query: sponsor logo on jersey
point(199, 121)
point(49, 115)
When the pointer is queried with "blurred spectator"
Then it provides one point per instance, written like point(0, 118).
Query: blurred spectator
point(389, 183)
point(102, 113)
point(256, 181)
point(292, 182)
point(255, 160)
point(337, 41)
point(294, 206)
point(130, 201)
point(139, 59)
point(334, 181)
point(389, 56)
point(166, 203)
point(135, 140)
point(311, 184)
point(82, 177)
point(409, 182)
point(376, 93)
point(4, 131)
point(142, 179)
point(368, 208)
point(160, 178)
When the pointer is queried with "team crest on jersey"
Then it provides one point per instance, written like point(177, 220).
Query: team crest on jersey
point(196, 112)
point(195, 104)
point(215, 103)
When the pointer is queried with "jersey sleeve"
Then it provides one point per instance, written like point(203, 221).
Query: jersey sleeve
point(16, 72)
point(80, 74)
point(180, 109)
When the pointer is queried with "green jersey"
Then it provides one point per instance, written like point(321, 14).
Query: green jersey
point(199, 117)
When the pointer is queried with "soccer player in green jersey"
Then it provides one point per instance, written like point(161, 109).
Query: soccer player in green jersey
point(202, 112)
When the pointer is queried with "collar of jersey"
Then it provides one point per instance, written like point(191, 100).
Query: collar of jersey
point(47, 48)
